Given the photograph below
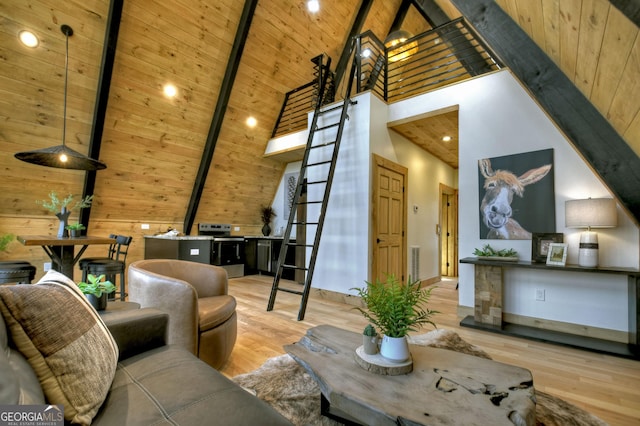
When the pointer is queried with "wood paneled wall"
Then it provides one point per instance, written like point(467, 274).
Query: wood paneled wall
point(596, 46)
point(153, 145)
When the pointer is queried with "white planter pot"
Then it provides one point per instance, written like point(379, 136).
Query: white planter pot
point(395, 349)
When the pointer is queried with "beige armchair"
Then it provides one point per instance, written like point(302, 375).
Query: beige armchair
point(202, 316)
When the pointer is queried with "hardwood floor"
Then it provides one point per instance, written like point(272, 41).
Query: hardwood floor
point(606, 386)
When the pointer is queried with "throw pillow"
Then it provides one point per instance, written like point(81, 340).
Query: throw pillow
point(65, 341)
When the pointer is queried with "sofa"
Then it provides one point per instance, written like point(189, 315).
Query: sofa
point(202, 315)
point(113, 368)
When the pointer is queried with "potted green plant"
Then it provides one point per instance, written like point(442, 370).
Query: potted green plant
point(74, 229)
point(370, 340)
point(266, 214)
point(396, 308)
point(97, 290)
point(62, 208)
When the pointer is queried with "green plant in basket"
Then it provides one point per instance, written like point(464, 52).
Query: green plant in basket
point(488, 251)
point(396, 308)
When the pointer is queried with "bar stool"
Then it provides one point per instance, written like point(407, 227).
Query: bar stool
point(110, 266)
point(17, 271)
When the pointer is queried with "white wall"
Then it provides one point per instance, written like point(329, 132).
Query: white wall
point(344, 256)
point(497, 117)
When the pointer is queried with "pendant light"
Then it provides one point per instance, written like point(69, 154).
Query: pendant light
point(61, 156)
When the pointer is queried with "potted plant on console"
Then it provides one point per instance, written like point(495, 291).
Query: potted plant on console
point(370, 340)
point(395, 309)
point(97, 291)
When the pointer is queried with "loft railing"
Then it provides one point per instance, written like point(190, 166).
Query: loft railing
point(446, 54)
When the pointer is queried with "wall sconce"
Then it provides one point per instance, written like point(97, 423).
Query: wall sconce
point(61, 156)
point(403, 51)
point(590, 213)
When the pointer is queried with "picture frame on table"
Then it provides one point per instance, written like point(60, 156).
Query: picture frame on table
point(557, 254)
point(540, 245)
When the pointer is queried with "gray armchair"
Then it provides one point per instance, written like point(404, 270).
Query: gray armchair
point(202, 316)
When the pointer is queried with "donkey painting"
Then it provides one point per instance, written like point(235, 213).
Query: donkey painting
point(500, 185)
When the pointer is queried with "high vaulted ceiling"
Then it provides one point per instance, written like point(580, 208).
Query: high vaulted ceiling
point(153, 145)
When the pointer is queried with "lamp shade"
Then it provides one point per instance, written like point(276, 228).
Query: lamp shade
point(62, 157)
point(591, 213)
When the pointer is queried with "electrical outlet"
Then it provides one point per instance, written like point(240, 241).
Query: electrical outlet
point(144, 226)
point(236, 228)
point(47, 266)
point(540, 294)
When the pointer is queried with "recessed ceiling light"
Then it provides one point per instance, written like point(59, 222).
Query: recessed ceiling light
point(170, 90)
point(252, 122)
point(446, 138)
point(313, 6)
point(28, 38)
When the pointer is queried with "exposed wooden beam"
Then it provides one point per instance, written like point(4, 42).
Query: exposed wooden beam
point(356, 29)
point(591, 134)
point(400, 15)
point(221, 107)
point(430, 11)
point(102, 98)
point(630, 8)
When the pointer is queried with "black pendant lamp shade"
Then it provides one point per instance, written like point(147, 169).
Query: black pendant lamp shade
point(61, 156)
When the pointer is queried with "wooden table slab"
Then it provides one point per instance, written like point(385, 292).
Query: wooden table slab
point(445, 387)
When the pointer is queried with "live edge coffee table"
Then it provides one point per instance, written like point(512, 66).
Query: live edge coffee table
point(444, 388)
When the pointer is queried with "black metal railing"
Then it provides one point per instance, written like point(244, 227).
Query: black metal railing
point(444, 55)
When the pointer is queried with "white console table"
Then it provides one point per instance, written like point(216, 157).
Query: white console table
point(488, 307)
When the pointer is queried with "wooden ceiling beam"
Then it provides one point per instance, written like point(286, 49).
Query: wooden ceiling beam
point(591, 134)
point(630, 9)
point(102, 99)
point(221, 107)
point(356, 29)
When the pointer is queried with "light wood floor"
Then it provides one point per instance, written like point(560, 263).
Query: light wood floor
point(606, 386)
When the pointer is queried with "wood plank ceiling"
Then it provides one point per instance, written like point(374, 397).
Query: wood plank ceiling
point(153, 145)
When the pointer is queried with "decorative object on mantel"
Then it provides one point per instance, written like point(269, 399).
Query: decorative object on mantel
point(97, 291)
point(540, 245)
point(395, 308)
point(61, 156)
point(266, 214)
point(62, 210)
point(370, 340)
point(590, 213)
point(286, 386)
point(557, 255)
point(489, 253)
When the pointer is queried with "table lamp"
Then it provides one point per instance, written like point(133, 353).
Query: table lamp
point(590, 213)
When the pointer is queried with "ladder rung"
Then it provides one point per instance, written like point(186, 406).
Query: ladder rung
point(294, 267)
point(288, 290)
point(319, 163)
point(318, 129)
point(305, 223)
point(309, 202)
point(315, 182)
point(324, 145)
point(299, 245)
point(333, 108)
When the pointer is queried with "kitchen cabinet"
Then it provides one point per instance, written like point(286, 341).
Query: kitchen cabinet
point(195, 249)
point(262, 256)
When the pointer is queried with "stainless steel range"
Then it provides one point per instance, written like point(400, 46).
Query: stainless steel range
point(226, 251)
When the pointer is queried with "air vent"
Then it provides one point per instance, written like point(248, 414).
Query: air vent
point(415, 263)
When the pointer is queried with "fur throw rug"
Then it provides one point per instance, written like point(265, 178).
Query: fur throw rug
point(286, 386)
